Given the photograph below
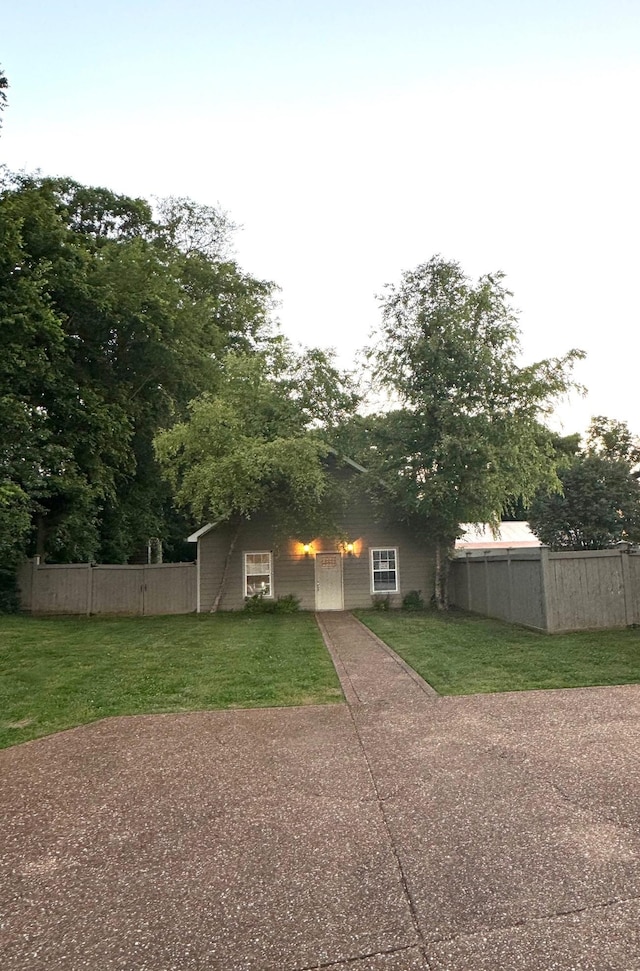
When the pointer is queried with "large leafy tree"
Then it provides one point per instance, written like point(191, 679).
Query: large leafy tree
point(599, 504)
point(258, 445)
point(114, 316)
point(469, 430)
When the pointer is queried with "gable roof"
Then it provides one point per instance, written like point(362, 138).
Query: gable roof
point(201, 532)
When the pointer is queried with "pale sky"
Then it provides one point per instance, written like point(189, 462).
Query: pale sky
point(354, 140)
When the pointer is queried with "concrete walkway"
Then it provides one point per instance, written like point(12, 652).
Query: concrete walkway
point(401, 831)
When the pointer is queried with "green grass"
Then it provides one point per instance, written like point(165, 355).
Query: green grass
point(460, 654)
point(60, 672)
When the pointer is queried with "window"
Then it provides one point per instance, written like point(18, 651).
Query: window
point(258, 575)
point(384, 571)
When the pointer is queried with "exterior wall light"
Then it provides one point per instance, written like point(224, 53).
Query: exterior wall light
point(349, 549)
point(306, 549)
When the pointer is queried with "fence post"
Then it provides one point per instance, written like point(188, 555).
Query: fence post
point(627, 590)
point(547, 594)
point(35, 563)
point(89, 589)
point(486, 584)
point(509, 587)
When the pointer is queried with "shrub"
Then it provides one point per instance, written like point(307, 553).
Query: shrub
point(413, 600)
point(258, 604)
point(380, 602)
point(9, 599)
point(289, 604)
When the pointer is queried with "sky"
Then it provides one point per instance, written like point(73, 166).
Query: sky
point(354, 140)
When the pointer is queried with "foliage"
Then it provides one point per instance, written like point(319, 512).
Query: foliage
point(257, 604)
point(470, 430)
point(56, 673)
point(461, 654)
point(4, 84)
point(114, 318)
point(600, 501)
point(565, 448)
point(252, 446)
point(380, 601)
point(413, 600)
point(611, 439)
point(9, 598)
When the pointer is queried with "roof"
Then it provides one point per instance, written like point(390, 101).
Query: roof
point(479, 536)
point(200, 532)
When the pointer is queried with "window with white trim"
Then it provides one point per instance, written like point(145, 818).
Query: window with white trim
point(258, 575)
point(384, 571)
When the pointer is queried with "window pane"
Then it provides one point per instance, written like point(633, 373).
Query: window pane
point(257, 563)
point(259, 585)
point(379, 584)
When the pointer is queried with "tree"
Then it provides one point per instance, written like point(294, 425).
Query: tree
point(599, 505)
point(257, 445)
point(613, 439)
point(111, 325)
point(469, 432)
point(4, 85)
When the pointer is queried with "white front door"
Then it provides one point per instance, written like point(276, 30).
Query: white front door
point(329, 581)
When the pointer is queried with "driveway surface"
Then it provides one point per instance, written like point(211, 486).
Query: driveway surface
point(401, 831)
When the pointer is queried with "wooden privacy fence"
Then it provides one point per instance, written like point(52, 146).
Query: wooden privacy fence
point(550, 591)
point(82, 588)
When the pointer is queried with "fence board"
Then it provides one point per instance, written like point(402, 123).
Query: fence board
point(588, 590)
point(79, 588)
point(60, 589)
point(118, 590)
point(550, 591)
point(170, 588)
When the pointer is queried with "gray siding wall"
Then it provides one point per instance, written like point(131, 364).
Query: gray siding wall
point(294, 573)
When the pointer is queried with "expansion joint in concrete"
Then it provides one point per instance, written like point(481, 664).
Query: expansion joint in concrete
point(403, 878)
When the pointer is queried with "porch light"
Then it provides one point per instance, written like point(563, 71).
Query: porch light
point(349, 549)
point(306, 549)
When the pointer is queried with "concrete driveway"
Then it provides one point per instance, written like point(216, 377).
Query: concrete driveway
point(398, 832)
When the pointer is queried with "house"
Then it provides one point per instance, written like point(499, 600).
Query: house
point(366, 560)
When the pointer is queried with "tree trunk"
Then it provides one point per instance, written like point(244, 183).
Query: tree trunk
point(225, 571)
point(41, 538)
point(442, 575)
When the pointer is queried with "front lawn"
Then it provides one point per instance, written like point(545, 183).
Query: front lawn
point(56, 673)
point(460, 654)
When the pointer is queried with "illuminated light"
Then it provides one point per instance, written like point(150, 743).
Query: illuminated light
point(350, 549)
point(306, 549)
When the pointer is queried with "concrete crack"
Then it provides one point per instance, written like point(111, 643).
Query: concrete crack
point(358, 957)
point(542, 918)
